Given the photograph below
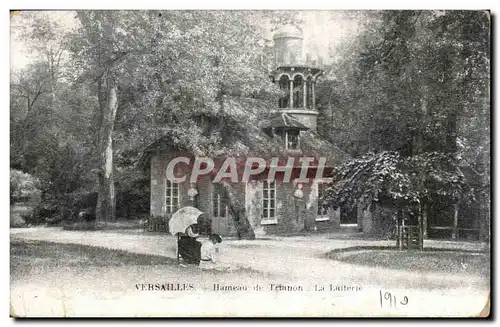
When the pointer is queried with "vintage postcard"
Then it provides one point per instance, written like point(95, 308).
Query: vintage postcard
point(195, 163)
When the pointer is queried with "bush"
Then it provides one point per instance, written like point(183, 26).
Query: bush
point(45, 212)
point(81, 205)
point(18, 212)
point(76, 206)
point(23, 187)
point(132, 197)
point(25, 196)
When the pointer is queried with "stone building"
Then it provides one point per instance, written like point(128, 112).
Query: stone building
point(272, 207)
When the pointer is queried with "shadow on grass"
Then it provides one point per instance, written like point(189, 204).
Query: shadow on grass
point(26, 255)
point(57, 254)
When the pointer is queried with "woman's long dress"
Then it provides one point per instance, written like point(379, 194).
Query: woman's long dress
point(189, 248)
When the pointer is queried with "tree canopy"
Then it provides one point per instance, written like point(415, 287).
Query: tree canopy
point(408, 90)
point(119, 80)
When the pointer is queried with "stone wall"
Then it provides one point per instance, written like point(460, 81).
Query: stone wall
point(292, 215)
point(202, 201)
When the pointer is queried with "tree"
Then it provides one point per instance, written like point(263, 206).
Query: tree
point(23, 186)
point(103, 45)
point(48, 45)
point(205, 69)
point(27, 89)
point(390, 177)
point(406, 66)
point(410, 80)
point(164, 70)
point(401, 184)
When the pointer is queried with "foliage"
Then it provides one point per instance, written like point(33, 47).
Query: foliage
point(171, 68)
point(407, 83)
point(132, 193)
point(45, 141)
point(393, 180)
point(23, 186)
point(189, 62)
point(412, 91)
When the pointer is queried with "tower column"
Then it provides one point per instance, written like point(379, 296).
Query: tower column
point(304, 101)
point(291, 93)
point(313, 86)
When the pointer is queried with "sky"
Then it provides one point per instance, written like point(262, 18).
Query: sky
point(19, 50)
point(322, 30)
point(325, 29)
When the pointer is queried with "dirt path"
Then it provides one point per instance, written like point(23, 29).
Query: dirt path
point(293, 261)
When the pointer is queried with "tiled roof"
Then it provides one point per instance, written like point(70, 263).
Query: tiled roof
point(256, 142)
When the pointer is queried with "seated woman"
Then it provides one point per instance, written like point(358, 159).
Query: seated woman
point(188, 247)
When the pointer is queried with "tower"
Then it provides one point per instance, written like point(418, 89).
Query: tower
point(296, 77)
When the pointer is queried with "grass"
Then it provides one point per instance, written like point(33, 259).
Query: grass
point(27, 253)
point(431, 259)
point(100, 268)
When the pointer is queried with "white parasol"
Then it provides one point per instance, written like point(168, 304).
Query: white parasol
point(182, 219)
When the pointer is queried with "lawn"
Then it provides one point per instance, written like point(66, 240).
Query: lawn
point(440, 261)
point(55, 279)
point(34, 259)
point(23, 253)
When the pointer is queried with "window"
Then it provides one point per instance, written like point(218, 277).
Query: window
point(171, 197)
point(322, 204)
point(269, 200)
point(290, 138)
point(298, 92)
point(309, 94)
point(284, 84)
point(219, 201)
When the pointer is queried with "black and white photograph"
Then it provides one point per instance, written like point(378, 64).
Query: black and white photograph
point(250, 163)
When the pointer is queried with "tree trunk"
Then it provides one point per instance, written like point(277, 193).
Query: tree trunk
point(423, 116)
point(484, 165)
point(424, 222)
point(421, 231)
point(485, 200)
point(454, 234)
point(484, 226)
point(238, 212)
point(50, 61)
point(108, 103)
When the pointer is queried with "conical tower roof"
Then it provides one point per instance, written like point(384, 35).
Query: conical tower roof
point(288, 31)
